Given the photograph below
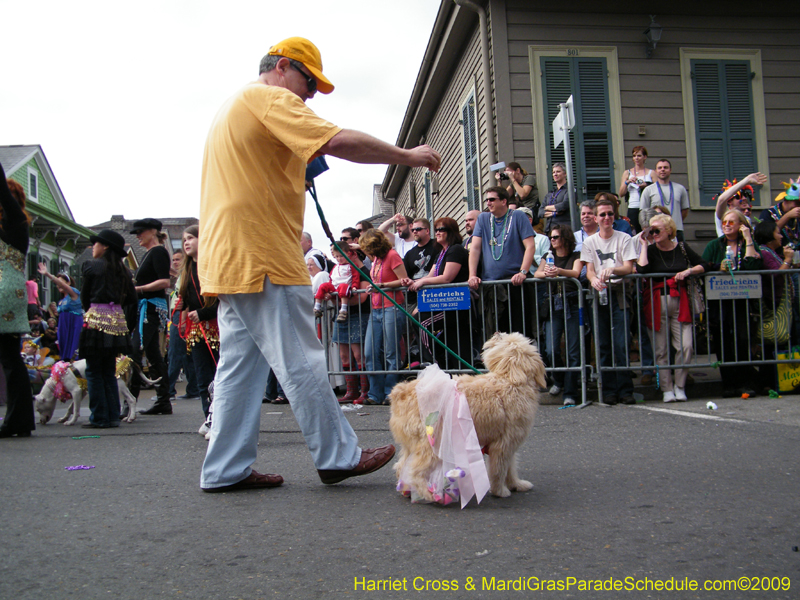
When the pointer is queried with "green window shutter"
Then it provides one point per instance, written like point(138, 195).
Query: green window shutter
point(595, 126)
point(556, 89)
point(724, 124)
point(428, 197)
point(585, 79)
point(468, 124)
point(55, 269)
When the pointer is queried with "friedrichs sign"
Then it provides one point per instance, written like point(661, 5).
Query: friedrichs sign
point(456, 298)
point(723, 287)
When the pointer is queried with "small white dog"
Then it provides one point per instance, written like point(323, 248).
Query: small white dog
point(502, 402)
point(73, 381)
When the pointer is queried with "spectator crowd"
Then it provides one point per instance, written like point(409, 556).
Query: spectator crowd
point(641, 282)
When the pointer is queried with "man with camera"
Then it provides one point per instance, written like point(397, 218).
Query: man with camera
point(521, 187)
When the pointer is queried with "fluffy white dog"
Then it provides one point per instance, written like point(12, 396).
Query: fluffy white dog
point(503, 404)
point(73, 381)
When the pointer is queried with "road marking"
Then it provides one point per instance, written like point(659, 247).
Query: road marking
point(690, 414)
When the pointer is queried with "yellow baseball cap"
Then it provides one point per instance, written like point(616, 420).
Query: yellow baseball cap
point(302, 50)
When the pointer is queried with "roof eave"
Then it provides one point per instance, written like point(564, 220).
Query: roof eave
point(452, 28)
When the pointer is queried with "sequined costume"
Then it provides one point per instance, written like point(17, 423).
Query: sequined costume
point(19, 418)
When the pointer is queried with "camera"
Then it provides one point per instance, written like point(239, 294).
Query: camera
point(504, 175)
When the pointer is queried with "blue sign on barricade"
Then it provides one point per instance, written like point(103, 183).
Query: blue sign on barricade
point(725, 287)
point(456, 298)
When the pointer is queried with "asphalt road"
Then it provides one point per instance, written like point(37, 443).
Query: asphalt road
point(626, 496)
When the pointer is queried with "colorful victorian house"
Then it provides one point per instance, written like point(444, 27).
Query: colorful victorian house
point(55, 237)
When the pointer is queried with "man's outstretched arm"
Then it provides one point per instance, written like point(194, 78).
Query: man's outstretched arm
point(359, 147)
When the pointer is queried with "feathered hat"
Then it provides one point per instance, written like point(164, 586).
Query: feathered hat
point(792, 191)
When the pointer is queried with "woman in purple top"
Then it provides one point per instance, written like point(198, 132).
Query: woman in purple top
point(776, 256)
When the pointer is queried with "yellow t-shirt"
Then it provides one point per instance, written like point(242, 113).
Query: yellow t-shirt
point(252, 199)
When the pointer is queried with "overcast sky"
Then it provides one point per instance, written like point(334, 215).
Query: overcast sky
point(121, 95)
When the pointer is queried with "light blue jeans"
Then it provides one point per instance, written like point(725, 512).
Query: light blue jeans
point(273, 328)
point(382, 350)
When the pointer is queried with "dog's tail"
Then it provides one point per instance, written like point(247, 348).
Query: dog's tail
point(138, 368)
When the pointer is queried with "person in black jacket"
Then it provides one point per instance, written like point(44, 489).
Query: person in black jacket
point(107, 289)
point(19, 419)
point(202, 332)
point(152, 279)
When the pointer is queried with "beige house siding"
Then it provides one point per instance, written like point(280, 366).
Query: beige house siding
point(446, 135)
point(651, 90)
point(650, 93)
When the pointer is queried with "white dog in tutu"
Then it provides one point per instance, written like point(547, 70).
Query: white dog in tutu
point(67, 383)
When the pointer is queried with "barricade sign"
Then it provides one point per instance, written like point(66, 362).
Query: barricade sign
point(454, 298)
point(789, 373)
point(741, 285)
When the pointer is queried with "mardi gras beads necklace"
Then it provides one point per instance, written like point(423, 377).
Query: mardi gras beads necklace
point(504, 224)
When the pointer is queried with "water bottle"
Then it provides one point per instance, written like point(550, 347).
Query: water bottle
point(604, 296)
point(796, 259)
point(729, 258)
point(550, 261)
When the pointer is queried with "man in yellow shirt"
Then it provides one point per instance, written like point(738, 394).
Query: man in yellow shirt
point(251, 219)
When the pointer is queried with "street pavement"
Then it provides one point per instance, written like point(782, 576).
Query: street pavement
point(632, 496)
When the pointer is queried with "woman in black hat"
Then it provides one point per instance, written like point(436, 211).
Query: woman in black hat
point(152, 279)
point(107, 289)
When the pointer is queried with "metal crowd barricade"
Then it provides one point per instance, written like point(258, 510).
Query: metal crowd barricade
point(495, 306)
point(729, 330)
point(501, 306)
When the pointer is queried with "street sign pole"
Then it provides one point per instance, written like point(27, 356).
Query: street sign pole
point(562, 125)
point(569, 123)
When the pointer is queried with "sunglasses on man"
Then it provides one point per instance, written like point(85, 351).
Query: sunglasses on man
point(311, 83)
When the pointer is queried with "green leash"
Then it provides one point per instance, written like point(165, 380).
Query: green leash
point(327, 230)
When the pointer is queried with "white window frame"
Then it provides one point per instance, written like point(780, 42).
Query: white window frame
point(33, 173)
point(540, 137)
point(470, 93)
point(759, 117)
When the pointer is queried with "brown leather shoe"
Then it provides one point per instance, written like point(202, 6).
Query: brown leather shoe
point(254, 481)
point(372, 459)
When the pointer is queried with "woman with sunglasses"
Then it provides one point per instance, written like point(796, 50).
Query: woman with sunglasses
point(451, 266)
point(382, 349)
point(729, 320)
point(666, 302)
point(563, 309)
